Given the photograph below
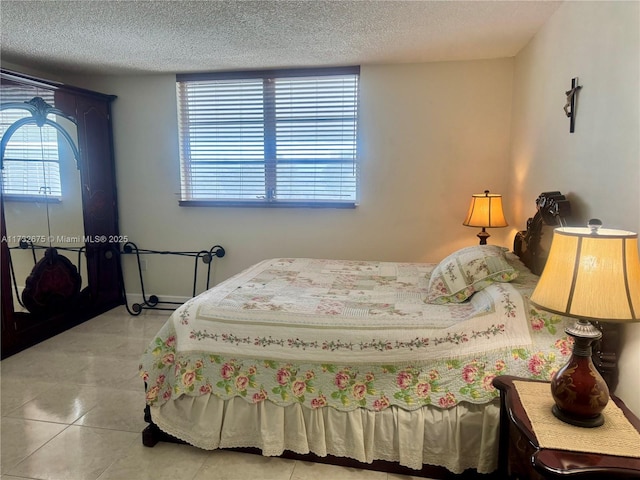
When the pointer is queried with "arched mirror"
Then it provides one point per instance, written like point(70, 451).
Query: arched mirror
point(41, 184)
point(58, 194)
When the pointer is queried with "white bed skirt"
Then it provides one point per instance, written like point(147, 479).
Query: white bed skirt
point(462, 437)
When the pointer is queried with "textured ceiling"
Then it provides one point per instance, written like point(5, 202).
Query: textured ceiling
point(147, 36)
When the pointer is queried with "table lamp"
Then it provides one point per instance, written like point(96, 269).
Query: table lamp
point(591, 274)
point(485, 211)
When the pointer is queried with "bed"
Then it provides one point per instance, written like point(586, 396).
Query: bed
point(371, 361)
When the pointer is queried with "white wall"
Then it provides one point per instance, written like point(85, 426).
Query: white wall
point(598, 166)
point(431, 135)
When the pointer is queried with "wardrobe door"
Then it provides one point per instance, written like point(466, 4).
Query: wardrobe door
point(99, 199)
point(6, 323)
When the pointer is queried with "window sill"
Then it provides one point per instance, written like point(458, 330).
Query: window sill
point(260, 204)
point(31, 198)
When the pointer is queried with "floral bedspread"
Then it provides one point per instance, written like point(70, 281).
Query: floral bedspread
point(350, 334)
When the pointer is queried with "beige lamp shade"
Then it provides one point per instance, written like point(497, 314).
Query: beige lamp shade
point(485, 211)
point(592, 274)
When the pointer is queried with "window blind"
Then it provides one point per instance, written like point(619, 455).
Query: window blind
point(31, 166)
point(275, 138)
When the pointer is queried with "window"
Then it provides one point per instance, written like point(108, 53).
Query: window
point(271, 138)
point(31, 164)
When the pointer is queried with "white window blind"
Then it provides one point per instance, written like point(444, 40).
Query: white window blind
point(31, 166)
point(274, 138)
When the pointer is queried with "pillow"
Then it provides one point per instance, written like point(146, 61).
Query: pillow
point(468, 271)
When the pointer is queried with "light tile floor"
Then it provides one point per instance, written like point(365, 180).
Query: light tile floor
point(72, 410)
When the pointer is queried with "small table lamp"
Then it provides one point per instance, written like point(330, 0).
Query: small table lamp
point(591, 274)
point(485, 211)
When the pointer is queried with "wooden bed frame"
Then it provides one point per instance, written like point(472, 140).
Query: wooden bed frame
point(531, 245)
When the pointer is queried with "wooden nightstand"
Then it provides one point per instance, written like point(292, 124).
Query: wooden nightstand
point(521, 458)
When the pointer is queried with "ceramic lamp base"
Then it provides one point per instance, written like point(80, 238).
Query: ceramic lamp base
point(578, 389)
point(578, 421)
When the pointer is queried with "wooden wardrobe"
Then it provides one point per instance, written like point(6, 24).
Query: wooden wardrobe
point(97, 248)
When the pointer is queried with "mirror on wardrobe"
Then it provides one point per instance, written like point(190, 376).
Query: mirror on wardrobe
point(42, 201)
point(58, 195)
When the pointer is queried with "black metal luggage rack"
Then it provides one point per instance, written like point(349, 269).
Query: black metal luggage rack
point(153, 302)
